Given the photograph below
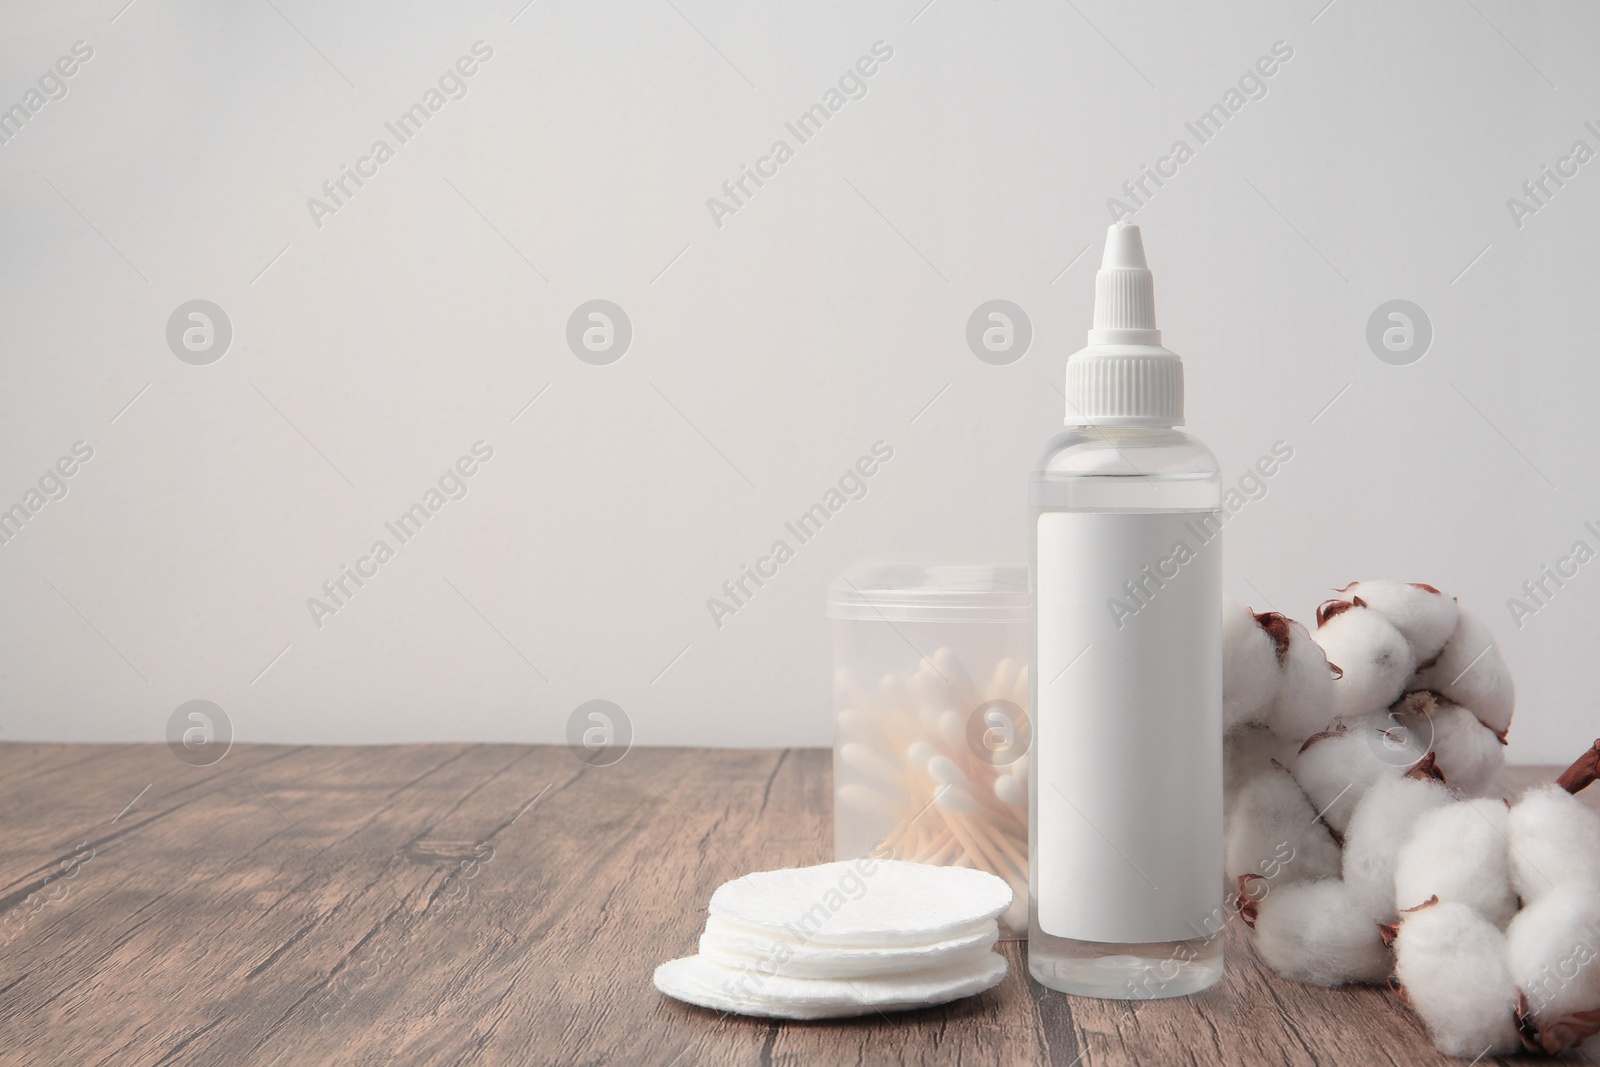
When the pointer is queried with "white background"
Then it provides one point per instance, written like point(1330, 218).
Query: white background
point(768, 353)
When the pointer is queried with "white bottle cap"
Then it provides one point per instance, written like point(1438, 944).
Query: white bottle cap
point(1124, 377)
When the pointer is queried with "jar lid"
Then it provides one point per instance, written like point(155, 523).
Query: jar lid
point(886, 589)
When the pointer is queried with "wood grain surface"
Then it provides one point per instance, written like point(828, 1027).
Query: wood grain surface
point(499, 904)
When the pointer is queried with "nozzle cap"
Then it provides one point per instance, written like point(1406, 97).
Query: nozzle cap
point(1124, 248)
point(1124, 292)
point(1124, 377)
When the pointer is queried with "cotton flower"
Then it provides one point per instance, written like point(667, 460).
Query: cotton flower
point(1555, 841)
point(1554, 949)
point(1375, 658)
point(1249, 751)
point(1275, 833)
point(1457, 854)
point(1379, 826)
point(1321, 933)
point(1273, 674)
point(1422, 614)
point(1307, 691)
point(1379, 851)
point(1471, 673)
point(1452, 963)
point(1250, 669)
point(1337, 768)
point(1469, 754)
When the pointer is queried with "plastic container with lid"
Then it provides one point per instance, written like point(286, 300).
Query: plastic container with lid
point(931, 723)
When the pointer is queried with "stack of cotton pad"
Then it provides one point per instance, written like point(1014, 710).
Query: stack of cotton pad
point(845, 938)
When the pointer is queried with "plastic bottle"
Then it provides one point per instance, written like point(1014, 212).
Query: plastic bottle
point(1126, 798)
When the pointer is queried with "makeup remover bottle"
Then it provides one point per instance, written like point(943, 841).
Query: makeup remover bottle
point(1126, 797)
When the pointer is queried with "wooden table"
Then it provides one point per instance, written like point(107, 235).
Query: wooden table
point(497, 904)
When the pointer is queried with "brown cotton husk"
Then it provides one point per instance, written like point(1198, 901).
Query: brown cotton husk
point(1427, 769)
point(1584, 770)
point(1415, 585)
point(1527, 1027)
point(1329, 608)
point(1247, 906)
point(1277, 627)
point(1551, 1037)
point(1569, 1031)
point(1338, 729)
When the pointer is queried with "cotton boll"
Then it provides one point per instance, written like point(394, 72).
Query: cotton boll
point(1452, 962)
point(1250, 664)
point(1469, 754)
point(1378, 828)
point(1250, 751)
point(1555, 841)
point(1336, 770)
point(1273, 831)
point(1471, 672)
point(1374, 657)
point(1308, 690)
point(1457, 854)
point(1554, 948)
point(1320, 932)
point(1425, 616)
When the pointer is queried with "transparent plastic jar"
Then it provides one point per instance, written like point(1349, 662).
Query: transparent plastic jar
point(931, 721)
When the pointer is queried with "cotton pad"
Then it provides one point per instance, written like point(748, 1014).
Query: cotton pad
point(864, 902)
point(697, 980)
point(749, 948)
point(844, 938)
